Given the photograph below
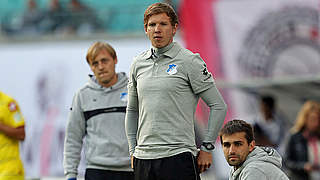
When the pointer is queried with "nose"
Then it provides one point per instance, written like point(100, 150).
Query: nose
point(157, 28)
point(100, 65)
point(232, 149)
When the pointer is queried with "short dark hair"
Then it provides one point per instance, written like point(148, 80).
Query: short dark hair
point(158, 8)
point(236, 126)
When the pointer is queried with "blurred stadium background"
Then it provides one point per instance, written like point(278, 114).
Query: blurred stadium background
point(252, 47)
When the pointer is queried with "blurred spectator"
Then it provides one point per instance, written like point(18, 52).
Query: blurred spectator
point(27, 23)
point(269, 126)
point(83, 19)
point(302, 152)
point(55, 18)
point(31, 17)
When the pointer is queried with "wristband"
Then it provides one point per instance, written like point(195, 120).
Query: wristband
point(208, 146)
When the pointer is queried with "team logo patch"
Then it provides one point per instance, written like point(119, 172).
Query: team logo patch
point(172, 69)
point(124, 96)
point(206, 73)
point(12, 106)
point(268, 150)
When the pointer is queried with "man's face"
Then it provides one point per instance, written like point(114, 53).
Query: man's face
point(160, 30)
point(103, 67)
point(236, 148)
point(266, 111)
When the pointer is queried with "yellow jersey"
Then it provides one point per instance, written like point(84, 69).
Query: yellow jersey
point(11, 167)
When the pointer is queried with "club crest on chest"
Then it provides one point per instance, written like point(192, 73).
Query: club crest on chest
point(172, 69)
point(124, 96)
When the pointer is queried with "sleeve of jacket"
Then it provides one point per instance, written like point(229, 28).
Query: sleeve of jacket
point(218, 110)
point(132, 115)
point(75, 131)
point(291, 153)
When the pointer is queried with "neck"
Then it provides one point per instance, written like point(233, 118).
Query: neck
point(163, 49)
point(238, 166)
point(112, 82)
point(309, 134)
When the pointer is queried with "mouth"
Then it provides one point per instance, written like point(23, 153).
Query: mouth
point(102, 73)
point(233, 157)
point(157, 37)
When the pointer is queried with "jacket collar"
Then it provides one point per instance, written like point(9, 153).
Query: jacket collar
point(170, 50)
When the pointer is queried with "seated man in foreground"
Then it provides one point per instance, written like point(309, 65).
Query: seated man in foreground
point(249, 162)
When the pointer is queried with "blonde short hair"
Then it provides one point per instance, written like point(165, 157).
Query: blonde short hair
point(96, 48)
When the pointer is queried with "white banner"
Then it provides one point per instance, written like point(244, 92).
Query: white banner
point(267, 39)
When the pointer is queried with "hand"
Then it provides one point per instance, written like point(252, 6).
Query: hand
point(307, 167)
point(132, 161)
point(204, 160)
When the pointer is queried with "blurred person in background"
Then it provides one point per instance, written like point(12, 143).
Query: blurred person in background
point(269, 126)
point(302, 155)
point(96, 120)
point(83, 19)
point(55, 19)
point(12, 131)
point(28, 23)
point(250, 162)
point(31, 18)
point(165, 84)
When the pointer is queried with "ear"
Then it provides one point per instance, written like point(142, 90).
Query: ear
point(252, 145)
point(175, 28)
point(145, 29)
point(89, 63)
point(115, 61)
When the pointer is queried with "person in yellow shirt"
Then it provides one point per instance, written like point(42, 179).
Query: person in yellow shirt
point(11, 132)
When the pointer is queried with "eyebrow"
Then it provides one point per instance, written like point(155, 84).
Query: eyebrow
point(232, 142)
